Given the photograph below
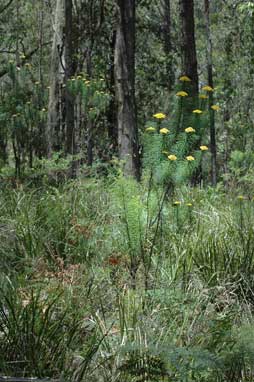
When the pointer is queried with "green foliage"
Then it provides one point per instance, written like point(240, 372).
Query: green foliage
point(130, 205)
point(93, 94)
point(240, 174)
point(35, 335)
point(171, 153)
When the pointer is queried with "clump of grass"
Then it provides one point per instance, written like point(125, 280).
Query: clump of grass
point(36, 337)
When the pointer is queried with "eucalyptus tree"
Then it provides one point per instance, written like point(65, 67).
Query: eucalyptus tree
point(56, 80)
point(68, 73)
point(167, 40)
point(188, 46)
point(124, 64)
point(213, 145)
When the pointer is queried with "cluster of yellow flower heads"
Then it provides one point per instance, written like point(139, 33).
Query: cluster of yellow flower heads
point(164, 130)
point(185, 79)
point(182, 94)
point(207, 88)
point(215, 107)
point(189, 130)
point(150, 128)
point(159, 116)
point(178, 203)
point(172, 157)
point(190, 158)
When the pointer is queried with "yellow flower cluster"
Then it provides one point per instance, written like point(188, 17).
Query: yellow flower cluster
point(207, 88)
point(178, 203)
point(172, 157)
point(197, 111)
point(164, 130)
point(203, 148)
point(185, 79)
point(159, 116)
point(148, 129)
point(215, 107)
point(190, 158)
point(189, 130)
point(182, 94)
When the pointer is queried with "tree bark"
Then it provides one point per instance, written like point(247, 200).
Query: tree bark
point(90, 125)
point(189, 56)
point(166, 29)
point(3, 149)
point(69, 72)
point(111, 110)
point(56, 75)
point(213, 146)
point(125, 88)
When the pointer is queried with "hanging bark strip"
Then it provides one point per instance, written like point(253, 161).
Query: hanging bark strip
point(125, 88)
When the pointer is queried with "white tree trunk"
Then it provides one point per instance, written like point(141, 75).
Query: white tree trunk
point(56, 77)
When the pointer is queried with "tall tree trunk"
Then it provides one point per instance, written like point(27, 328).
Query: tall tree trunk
point(69, 72)
point(210, 82)
point(125, 88)
point(228, 90)
point(189, 56)
point(166, 29)
point(53, 123)
point(111, 110)
point(40, 41)
point(90, 125)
